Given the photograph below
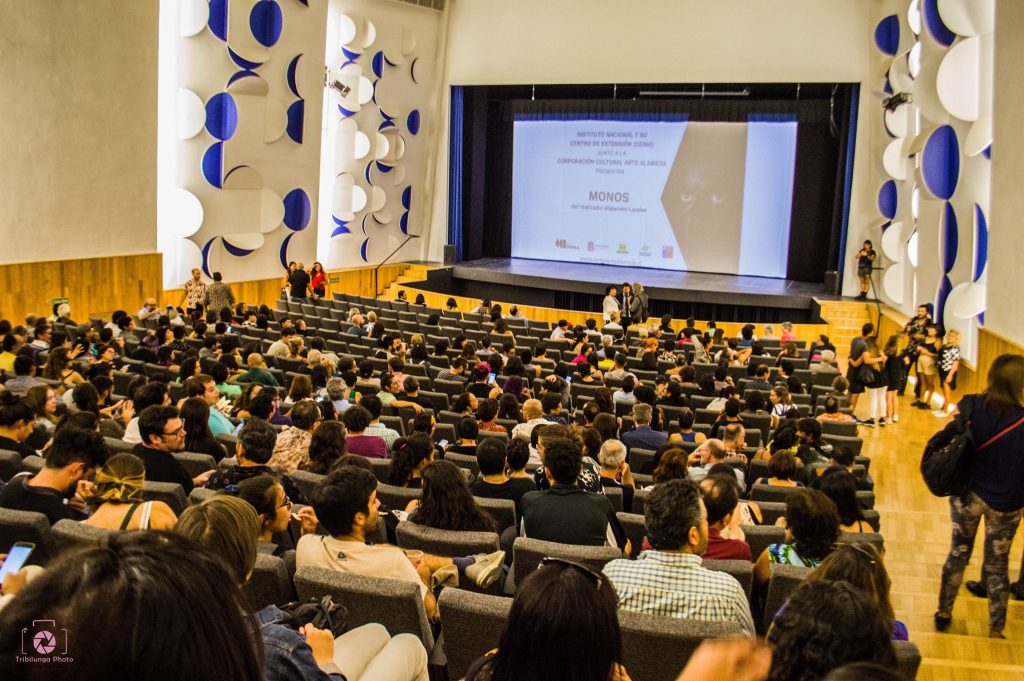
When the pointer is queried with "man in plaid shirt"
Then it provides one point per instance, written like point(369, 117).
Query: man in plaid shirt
point(669, 580)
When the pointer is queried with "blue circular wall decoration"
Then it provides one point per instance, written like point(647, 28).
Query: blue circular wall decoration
point(980, 242)
point(377, 64)
point(206, 257)
point(950, 238)
point(221, 116)
point(218, 21)
point(362, 250)
point(403, 222)
point(296, 210)
point(296, 120)
point(266, 22)
point(933, 21)
point(407, 197)
point(213, 164)
point(413, 121)
point(235, 250)
point(887, 35)
point(350, 55)
point(292, 66)
point(887, 199)
point(243, 63)
point(945, 286)
point(283, 253)
point(940, 162)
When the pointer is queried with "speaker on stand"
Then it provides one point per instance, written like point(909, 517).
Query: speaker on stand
point(449, 255)
point(831, 284)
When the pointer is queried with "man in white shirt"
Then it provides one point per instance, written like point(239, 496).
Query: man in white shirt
point(347, 507)
point(279, 348)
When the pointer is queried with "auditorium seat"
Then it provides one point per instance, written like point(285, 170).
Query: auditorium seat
point(463, 461)
point(306, 482)
point(194, 463)
point(759, 469)
point(771, 511)
point(614, 495)
point(908, 659)
point(396, 498)
point(27, 526)
point(527, 554)
point(502, 510)
point(394, 603)
point(639, 497)
point(854, 444)
point(640, 458)
point(656, 648)
point(784, 580)
point(270, 583)
point(865, 537)
point(774, 493)
point(472, 624)
point(10, 464)
point(200, 494)
point(635, 529)
point(436, 542)
point(71, 534)
point(171, 493)
point(741, 570)
point(115, 445)
point(844, 429)
point(759, 537)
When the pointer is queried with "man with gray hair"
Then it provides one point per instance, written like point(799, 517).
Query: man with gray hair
point(643, 436)
point(825, 366)
point(710, 453)
point(615, 471)
point(336, 389)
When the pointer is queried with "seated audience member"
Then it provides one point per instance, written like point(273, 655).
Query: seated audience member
point(252, 452)
point(346, 505)
point(734, 440)
point(686, 432)
point(43, 402)
point(16, 418)
point(203, 385)
point(326, 447)
point(481, 386)
point(62, 488)
point(861, 565)
point(565, 513)
point(139, 577)
point(721, 496)
point(842, 457)
point(709, 454)
point(163, 433)
point(24, 376)
point(292, 446)
point(508, 407)
point(643, 436)
point(669, 580)
point(814, 452)
point(410, 456)
point(372, 404)
point(467, 430)
point(456, 372)
point(149, 394)
point(760, 381)
point(845, 625)
point(447, 503)
point(624, 395)
point(493, 482)
point(781, 470)
point(812, 528)
point(118, 494)
point(589, 479)
point(824, 365)
point(832, 412)
point(556, 608)
point(195, 413)
point(266, 494)
point(533, 416)
point(615, 471)
point(357, 420)
point(487, 417)
point(551, 403)
point(411, 394)
point(257, 372)
point(465, 404)
point(228, 528)
point(841, 487)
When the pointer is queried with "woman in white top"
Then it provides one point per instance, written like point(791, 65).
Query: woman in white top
point(119, 489)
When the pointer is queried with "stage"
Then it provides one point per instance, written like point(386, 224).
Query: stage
point(577, 286)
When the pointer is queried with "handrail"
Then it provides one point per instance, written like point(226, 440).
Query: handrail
point(376, 270)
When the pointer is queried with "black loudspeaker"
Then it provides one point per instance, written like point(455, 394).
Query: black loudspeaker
point(832, 283)
point(449, 255)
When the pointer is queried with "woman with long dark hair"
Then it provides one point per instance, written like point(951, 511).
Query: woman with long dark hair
point(195, 413)
point(555, 610)
point(447, 503)
point(995, 492)
point(812, 528)
point(840, 486)
point(408, 458)
point(326, 447)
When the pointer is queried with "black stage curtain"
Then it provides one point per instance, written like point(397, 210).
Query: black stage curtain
point(822, 117)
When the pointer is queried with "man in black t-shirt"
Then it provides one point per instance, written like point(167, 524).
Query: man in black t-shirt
point(298, 281)
point(493, 483)
point(62, 488)
point(163, 432)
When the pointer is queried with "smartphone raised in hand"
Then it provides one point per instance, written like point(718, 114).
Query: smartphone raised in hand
point(16, 559)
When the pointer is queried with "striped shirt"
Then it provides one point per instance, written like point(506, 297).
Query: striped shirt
point(675, 585)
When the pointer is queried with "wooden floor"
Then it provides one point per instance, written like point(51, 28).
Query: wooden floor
point(917, 534)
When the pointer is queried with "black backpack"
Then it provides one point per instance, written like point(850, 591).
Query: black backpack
point(322, 614)
point(946, 459)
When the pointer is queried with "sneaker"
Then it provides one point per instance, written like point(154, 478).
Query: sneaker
point(870, 423)
point(895, 418)
point(882, 422)
point(939, 413)
point(942, 622)
point(916, 403)
point(922, 405)
point(487, 568)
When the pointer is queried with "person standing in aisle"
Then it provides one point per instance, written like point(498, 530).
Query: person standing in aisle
point(298, 282)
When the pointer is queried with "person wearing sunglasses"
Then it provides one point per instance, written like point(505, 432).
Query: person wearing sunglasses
point(556, 608)
point(669, 579)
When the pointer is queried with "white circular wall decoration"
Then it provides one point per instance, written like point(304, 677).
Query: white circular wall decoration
point(915, 201)
point(346, 29)
point(893, 160)
point(358, 198)
point(896, 121)
point(271, 210)
point(957, 79)
point(191, 114)
point(893, 239)
point(979, 137)
point(378, 198)
point(926, 99)
point(365, 92)
point(892, 283)
point(182, 213)
point(362, 145)
point(968, 17)
point(912, 249)
point(899, 76)
point(914, 60)
point(193, 16)
point(914, 16)
point(966, 300)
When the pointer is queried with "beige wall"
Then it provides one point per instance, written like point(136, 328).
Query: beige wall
point(654, 41)
point(78, 139)
point(1006, 229)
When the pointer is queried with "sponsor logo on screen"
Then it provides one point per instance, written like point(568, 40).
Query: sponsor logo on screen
point(666, 251)
point(623, 248)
